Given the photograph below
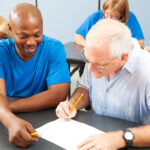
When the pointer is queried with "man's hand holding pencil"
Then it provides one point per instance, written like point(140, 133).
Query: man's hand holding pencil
point(21, 132)
point(63, 110)
point(67, 109)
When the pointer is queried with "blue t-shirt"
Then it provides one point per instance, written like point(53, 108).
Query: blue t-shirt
point(25, 78)
point(132, 24)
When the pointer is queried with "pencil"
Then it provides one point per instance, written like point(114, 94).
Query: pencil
point(34, 133)
point(76, 102)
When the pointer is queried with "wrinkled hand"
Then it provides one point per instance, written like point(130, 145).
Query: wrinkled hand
point(19, 132)
point(63, 110)
point(106, 141)
point(147, 48)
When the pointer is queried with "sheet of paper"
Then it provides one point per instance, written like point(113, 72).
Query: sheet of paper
point(66, 133)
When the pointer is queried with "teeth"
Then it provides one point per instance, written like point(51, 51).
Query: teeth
point(31, 49)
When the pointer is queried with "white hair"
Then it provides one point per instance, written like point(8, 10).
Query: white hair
point(115, 33)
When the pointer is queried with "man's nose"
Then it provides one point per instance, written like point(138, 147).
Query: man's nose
point(91, 67)
point(31, 41)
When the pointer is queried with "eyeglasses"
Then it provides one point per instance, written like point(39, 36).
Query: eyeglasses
point(101, 66)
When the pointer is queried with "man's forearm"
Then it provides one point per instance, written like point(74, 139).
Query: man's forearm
point(141, 43)
point(142, 136)
point(79, 39)
point(44, 100)
point(5, 112)
point(85, 99)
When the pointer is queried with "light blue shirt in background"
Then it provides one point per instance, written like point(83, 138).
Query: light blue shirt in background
point(127, 94)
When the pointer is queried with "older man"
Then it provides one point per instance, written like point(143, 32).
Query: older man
point(33, 67)
point(116, 80)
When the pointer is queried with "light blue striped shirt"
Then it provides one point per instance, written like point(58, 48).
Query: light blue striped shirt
point(127, 94)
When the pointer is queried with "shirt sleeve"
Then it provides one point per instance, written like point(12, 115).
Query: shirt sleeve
point(135, 27)
point(58, 68)
point(89, 22)
point(2, 60)
point(2, 71)
point(84, 81)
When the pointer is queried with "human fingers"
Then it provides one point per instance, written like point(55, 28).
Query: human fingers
point(147, 48)
point(88, 146)
point(35, 134)
point(73, 113)
point(94, 148)
point(32, 133)
point(20, 143)
point(20, 138)
point(84, 143)
point(62, 110)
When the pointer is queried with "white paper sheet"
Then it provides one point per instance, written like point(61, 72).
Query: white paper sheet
point(66, 133)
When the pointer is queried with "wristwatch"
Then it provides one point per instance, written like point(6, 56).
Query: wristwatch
point(128, 136)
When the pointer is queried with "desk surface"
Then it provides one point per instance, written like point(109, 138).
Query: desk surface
point(38, 119)
point(74, 53)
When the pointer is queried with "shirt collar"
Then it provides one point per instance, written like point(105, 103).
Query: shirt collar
point(134, 57)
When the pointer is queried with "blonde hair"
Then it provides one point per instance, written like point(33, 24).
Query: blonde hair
point(120, 6)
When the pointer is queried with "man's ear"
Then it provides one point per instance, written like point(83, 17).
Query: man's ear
point(10, 29)
point(124, 57)
point(9, 26)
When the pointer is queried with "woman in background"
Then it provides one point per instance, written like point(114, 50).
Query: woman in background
point(113, 9)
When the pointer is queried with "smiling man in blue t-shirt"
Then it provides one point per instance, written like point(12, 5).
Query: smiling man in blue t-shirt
point(33, 67)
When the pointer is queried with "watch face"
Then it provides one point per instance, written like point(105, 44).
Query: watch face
point(128, 135)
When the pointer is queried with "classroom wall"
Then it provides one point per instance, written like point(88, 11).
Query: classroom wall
point(142, 11)
point(6, 6)
point(63, 17)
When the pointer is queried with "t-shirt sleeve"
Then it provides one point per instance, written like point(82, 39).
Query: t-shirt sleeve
point(84, 81)
point(58, 67)
point(88, 23)
point(2, 71)
point(2, 58)
point(135, 27)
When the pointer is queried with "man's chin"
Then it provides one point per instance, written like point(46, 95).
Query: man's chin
point(29, 55)
point(97, 75)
